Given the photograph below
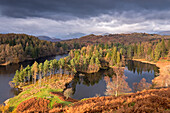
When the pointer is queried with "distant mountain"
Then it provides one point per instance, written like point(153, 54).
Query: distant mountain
point(72, 36)
point(164, 33)
point(49, 39)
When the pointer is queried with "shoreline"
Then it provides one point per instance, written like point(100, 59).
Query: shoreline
point(160, 64)
point(5, 64)
point(144, 61)
point(29, 59)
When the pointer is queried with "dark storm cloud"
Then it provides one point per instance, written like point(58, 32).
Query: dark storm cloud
point(69, 9)
point(60, 18)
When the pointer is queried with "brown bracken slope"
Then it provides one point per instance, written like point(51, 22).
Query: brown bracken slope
point(148, 101)
point(116, 38)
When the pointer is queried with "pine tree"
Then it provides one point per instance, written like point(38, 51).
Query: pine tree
point(149, 51)
point(51, 67)
point(21, 68)
point(129, 52)
point(40, 68)
point(139, 51)
point(118, 58)
point(108, 55)
point(24, 75)
point(97, 63)
point(29, 75)
point(91, 63)
point(84, 64)
point(46, 67)
point(163, 48)
point(142, 51)
point(55, 67)
point(35, 70)
point(135, 49)
point(152, 55)
point(114, 54)
point(73, 66)
point(157, 52)
point(16, 79)
point(21, 75)
point(121, 51)
point(62, 63)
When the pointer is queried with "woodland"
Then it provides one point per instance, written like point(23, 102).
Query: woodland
point(15, 48)
point(92, 58)
point(87, 54)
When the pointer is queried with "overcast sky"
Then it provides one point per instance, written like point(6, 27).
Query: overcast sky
point(63, 18)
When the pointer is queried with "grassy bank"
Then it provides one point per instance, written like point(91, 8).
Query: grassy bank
point(42, 91)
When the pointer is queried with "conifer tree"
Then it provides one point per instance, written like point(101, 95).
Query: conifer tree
point(51, 67)
point(118, 58)
point(29, 75)
point(35, 70)
point(139, 51)
point(16, 79)
point(55, 67)
point(21, 68)
point(163, 48)
point(157, 52)
point(62, 63)
point(97, 63)
point(40, 69)
point(114, 55)
point(46, 67)
point(24, 75)
point(121, 51)
point(129, 52)
point(21, 75)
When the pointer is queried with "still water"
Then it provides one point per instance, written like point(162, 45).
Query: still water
point(83, 85)
point(8, 72)
point(90, 85)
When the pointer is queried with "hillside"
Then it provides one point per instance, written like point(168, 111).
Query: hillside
point(117, 38)
point(148, 101)
point(49, 39)
point(15, 48)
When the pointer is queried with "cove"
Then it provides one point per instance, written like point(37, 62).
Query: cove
point(83, 85)
point(7, 73)
point(90, 85)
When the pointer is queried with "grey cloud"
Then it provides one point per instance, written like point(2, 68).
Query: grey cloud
point(56, 9)
point(64, 17)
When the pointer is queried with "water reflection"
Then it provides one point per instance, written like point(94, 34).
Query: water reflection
point(140, 67)
point(8, 72)
point(83, 85)
point(88, 85)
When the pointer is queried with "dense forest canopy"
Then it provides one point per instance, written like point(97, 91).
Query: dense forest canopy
point(92, 58)
point(16, 48)
point(124, 39)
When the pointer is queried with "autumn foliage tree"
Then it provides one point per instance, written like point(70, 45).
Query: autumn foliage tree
point(141, 85)
point(117, 85)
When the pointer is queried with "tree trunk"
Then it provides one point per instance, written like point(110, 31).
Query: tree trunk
point(40, 78)
point(117, 86)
